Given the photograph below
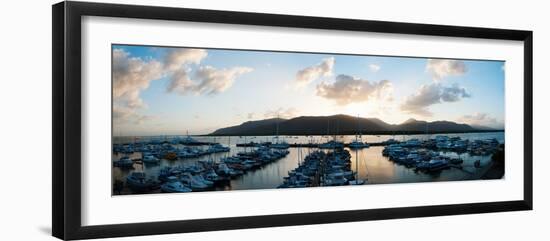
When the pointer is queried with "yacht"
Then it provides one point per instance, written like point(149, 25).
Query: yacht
point(331, 145)
point(188, 140)
point(357, 145)
point(173, 185)
point(280, 145)
point(148, 158)
point(335, 179)
point(193, 183)
point(211, 175)
point(124, 162)
point(433, 165)
point(357, 182)
point(137, 181)
point(216, 148)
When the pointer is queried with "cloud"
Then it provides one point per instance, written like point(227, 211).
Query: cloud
point(430, 94)
point(207, 79)
point(481, 119)
point(251, 115)
point(179, 82)
point(131, 75)
point(309, 74)
point(347, 89)
point(214, 81)
point(176, 59)
point(441, 68)
point(281, 113)
point(374, 67)
point(454, 93)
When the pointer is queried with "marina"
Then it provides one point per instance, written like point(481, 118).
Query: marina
point(206, 163)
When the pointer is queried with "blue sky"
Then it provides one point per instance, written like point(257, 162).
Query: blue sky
point(162, 91)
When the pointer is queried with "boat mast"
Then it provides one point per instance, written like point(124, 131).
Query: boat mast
point(427, 130)
point(277, 129)
point(328, 129)
point(357, 132)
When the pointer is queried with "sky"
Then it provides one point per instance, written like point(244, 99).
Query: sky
point(173, 91)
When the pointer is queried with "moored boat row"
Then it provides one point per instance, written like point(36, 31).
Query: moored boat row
point(202, 175)
point(319, 168)
point(428, 155)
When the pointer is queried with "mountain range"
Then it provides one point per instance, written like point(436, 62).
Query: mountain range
point(343, 125)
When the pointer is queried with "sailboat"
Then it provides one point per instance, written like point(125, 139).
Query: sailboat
point(356, 144)
point(277, 144)
point(332, 144)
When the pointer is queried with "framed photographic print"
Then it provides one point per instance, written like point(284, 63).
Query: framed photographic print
point(170, 120)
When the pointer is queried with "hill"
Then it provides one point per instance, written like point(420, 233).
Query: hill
point(342, 125)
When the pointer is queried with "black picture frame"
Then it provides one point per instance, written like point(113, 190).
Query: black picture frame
point(66, 141)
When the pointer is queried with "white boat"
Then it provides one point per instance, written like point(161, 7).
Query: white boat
point(124, 162)
point(137, 181)
point(280, 145)
point(211, 175)
point(433, 165)
point(357, 182)
point(186, 154)
point(357, 145)
point(331, 145)
point(216, 148)
point(200, 178)
point(193, 183)
point(188, 140)
point(226, 171)
point(148, 158)
point(335, 179)
point(173, 185)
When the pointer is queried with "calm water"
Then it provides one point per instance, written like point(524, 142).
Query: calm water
point(369, 162)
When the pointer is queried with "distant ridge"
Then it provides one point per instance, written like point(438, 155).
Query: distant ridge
point(343, 125)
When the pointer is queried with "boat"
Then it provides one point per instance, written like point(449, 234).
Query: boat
point(279, 144)
point(194, 183)
point(211, 175)
point(150, 159)
point(138, 181)
point(186, 153)
point(173, 185)
point(357, 182)
point(188, 140)
point(171, 156)
point(433, 165)
point(124, 162)
point(217, 148)
point(357, 145)
point(335, 179)
point(331, 145)
point(224, 170)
